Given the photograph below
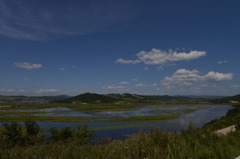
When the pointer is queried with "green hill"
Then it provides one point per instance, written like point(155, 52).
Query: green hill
point(227, 99)
point(132, 98)
point(89, 98)
point(167, 98)
point(126, 98)
point(109, 98)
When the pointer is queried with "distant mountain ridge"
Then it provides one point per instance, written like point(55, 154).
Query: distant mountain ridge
point(131, 98)
point(117, 98)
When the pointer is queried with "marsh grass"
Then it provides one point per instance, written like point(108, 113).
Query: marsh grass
point(156, 144)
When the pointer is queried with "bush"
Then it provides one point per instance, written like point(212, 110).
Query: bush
point(32, 128)
point(12, 132)
point(83, 135)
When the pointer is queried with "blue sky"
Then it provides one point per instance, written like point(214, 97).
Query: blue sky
point(155, 47)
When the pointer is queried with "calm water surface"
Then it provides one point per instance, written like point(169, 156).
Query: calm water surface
point(197, 118)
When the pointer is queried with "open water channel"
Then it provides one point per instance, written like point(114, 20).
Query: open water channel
point(198, 118)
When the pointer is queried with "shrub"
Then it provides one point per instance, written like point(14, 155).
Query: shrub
point(83, 135)
point(12, 132)
point(32, 128)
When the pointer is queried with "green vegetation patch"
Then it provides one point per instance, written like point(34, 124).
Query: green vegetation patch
point(117, 127)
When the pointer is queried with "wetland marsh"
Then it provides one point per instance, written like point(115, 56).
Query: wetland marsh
point(115, 120)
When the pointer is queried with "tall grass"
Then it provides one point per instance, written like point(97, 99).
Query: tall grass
point(159, 144)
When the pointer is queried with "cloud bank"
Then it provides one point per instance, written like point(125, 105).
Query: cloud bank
point(28, 66)
point(185, 77)
point(40, 91)
point(160, 57)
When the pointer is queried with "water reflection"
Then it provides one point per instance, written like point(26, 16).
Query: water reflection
point(197, 118)
point(146, 111)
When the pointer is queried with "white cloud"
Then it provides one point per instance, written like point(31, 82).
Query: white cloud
point(154, 85)
point(216, 76)
point(124, 83)
point(28, 66)
point(160, 57)
point(40, 91)
point(122, 61)
point(185, 77)
point(222, 62)
point(3, 90)
point(62, 69)
point(26, 78)
point(140, 85)
point(12, 91)
point(182, 77)
point(114, 89)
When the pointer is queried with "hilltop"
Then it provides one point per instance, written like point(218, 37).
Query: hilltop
point(99, 98)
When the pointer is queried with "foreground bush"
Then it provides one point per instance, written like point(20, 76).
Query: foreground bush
point(159, 144)
point(13, 135)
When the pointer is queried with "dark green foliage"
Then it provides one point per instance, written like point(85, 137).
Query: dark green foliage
point(227, 99)
point(54, 134)
point(64, 134)
point(157, 144)
point(12, 132)
point(89, 98)
point(237, 126)
point(81, 135)
point(32, 128)
point(233, 112)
